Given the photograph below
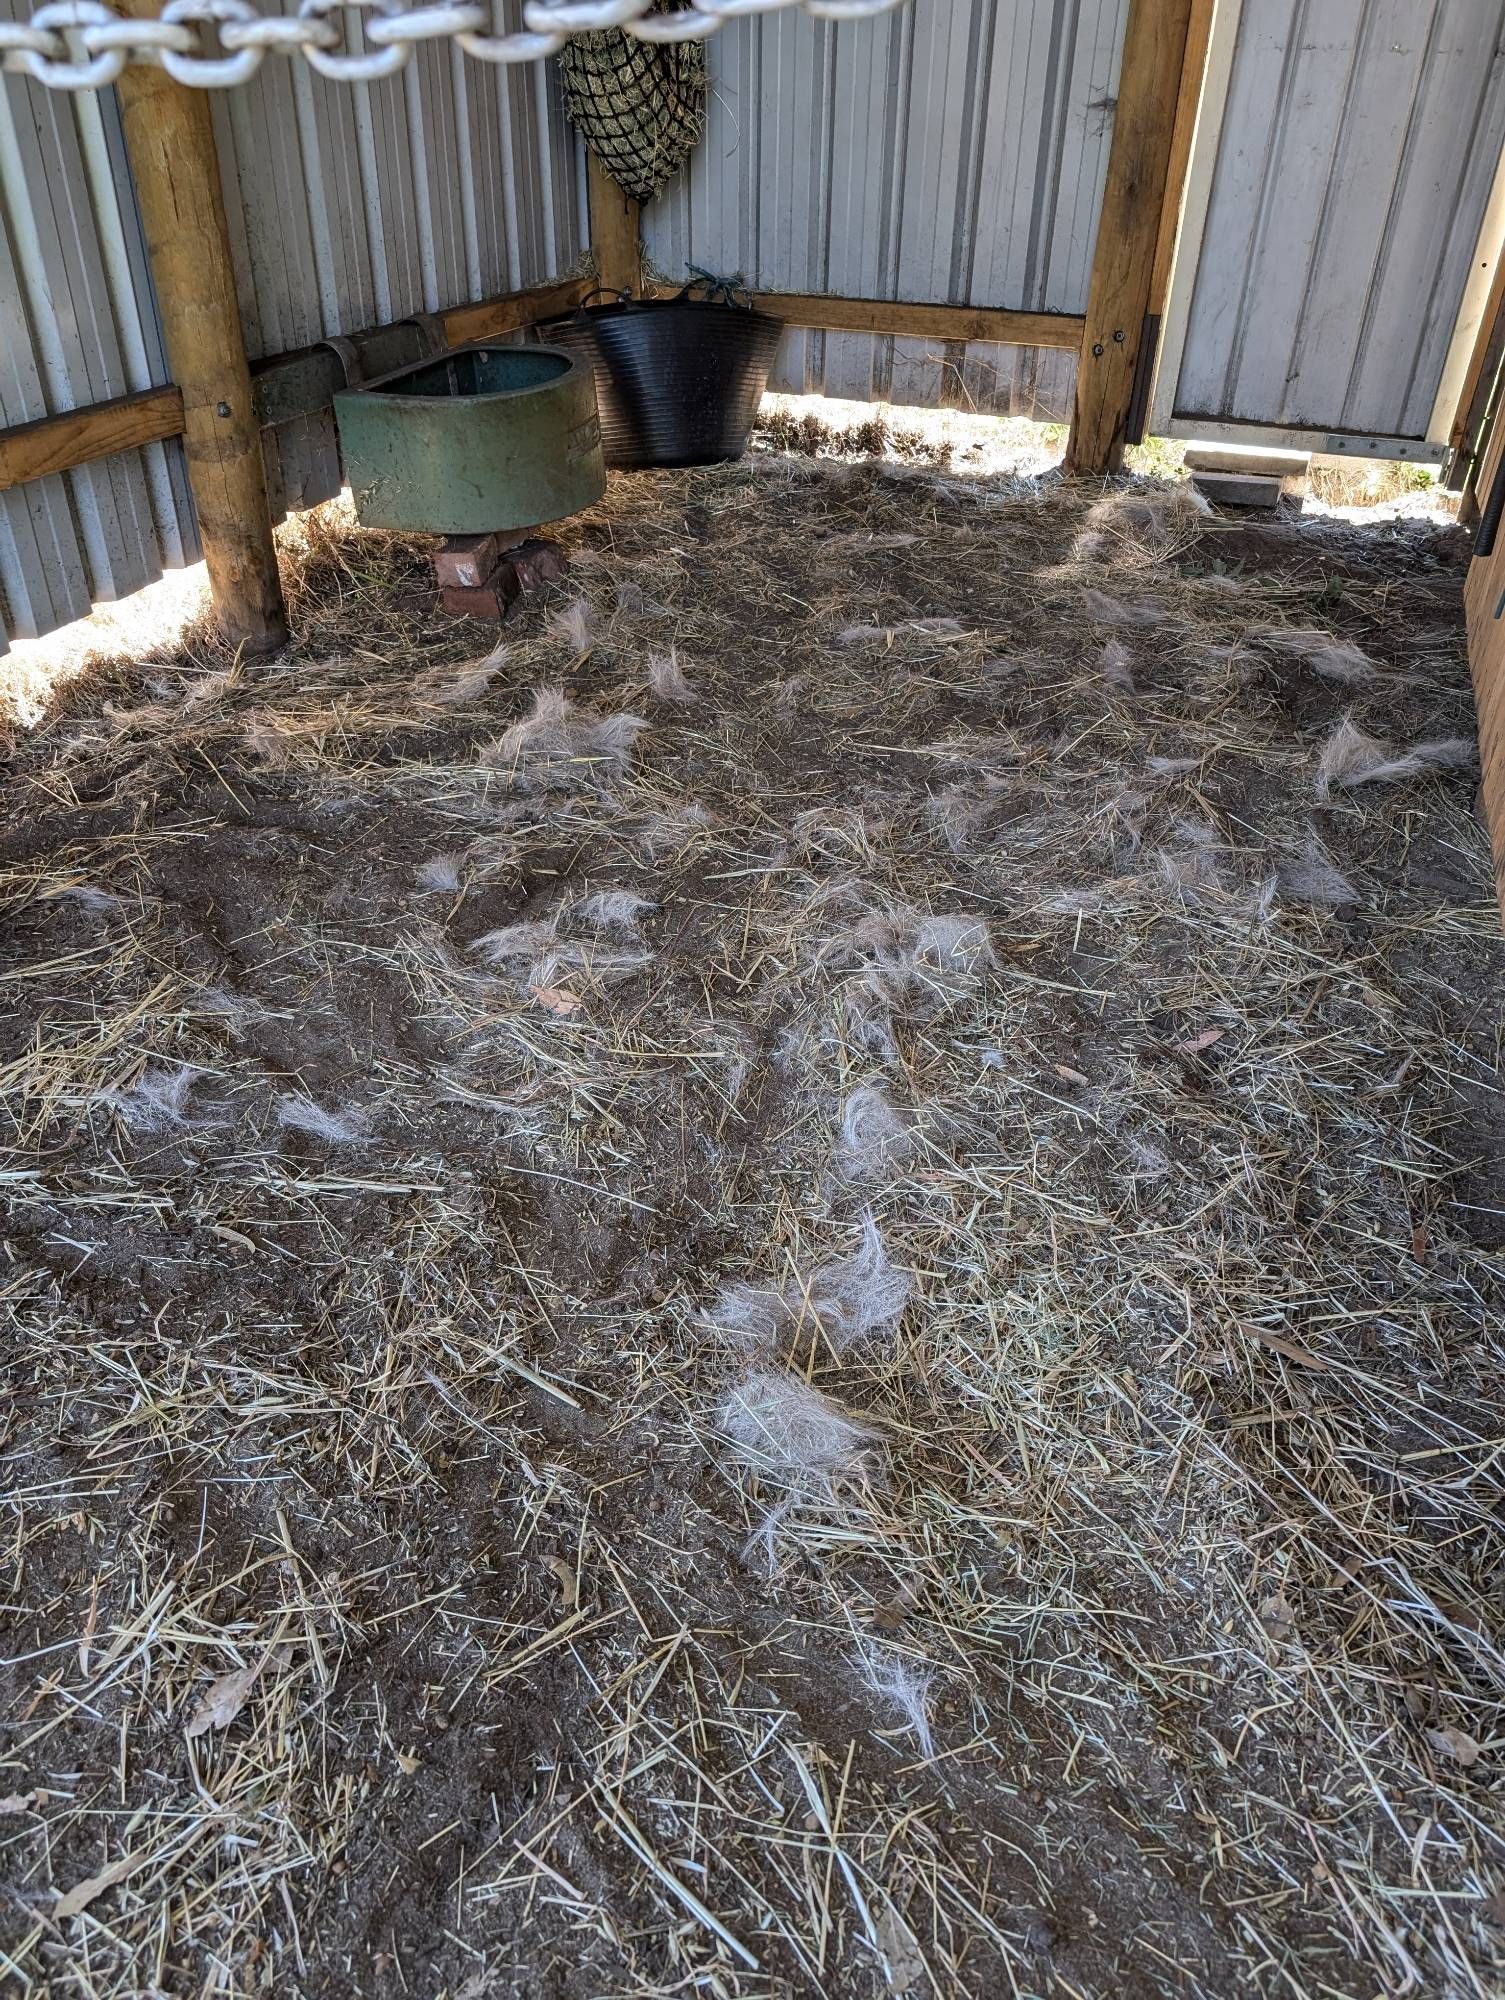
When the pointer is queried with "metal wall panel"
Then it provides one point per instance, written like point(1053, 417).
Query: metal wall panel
point(77, 325)
point(1354, 165)
point(349, 206)
point(953, 151)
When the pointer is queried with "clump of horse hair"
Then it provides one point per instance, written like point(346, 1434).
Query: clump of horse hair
point(439, 876)
point(157, 1101)
point(452, 687)
point(507, 944)
point(894, 1678)
point(793, 1435)
point(1105, 610)
point(800, 1443)
point(872, 1130)
point(572, 624)
point(1154, 519)
point(340, 1126)
point(935, 628)
point(556, 744)
point(667, 679)
point(847, 1300)
point(1115, 664)
point(1352, 757)
point(612, 910)
point(1333, 658)
point(1311, 876)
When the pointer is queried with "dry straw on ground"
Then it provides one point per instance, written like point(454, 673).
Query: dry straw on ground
point(793, 1289)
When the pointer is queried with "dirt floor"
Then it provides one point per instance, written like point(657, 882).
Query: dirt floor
point(793, 1291)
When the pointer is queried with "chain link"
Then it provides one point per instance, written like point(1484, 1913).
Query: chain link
point(84, 44)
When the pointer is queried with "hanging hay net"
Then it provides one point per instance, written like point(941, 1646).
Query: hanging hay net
point(639, 105)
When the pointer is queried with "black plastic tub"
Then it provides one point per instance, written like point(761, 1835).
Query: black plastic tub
point(678, 381)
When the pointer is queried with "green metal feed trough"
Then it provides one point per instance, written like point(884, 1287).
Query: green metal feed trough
point(480, 439)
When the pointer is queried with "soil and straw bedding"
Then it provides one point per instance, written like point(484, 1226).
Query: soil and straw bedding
point(792, 1290)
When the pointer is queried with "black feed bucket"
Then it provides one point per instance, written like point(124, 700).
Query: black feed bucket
point(678, 381)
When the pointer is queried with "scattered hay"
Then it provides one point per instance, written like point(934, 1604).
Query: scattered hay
point(1148, 1419)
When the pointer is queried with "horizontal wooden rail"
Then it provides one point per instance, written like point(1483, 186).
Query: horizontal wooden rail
point(77, 437)
point(903, 317)
point(907, 318)
point(511, 311)
point(57, 444)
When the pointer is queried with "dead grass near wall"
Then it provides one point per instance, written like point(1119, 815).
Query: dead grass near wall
point(793, 1288)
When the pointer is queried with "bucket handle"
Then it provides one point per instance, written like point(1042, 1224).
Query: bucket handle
point(718, 291)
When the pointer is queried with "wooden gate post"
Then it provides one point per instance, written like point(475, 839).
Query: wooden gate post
point(170, 141)
point(1134, 198)
point(616, 224)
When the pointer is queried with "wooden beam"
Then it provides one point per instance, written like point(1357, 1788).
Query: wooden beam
point(1135, 197)
point(512, 310)
point(1484, 601)
point(170, 143)
point(57, 444)
point(932, 322)
point(1478, 381)
point(616, 230)
point(1188, 104)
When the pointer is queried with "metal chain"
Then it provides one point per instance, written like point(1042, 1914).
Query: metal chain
point(84, 45)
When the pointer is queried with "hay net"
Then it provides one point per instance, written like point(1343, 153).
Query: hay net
point(640, 106)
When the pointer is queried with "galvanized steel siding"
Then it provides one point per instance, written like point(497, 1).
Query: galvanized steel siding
point(353, 206)
point(952, 151)
point(1357, 153)
point(77, 325)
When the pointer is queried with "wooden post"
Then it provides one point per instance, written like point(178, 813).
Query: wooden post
point(170, 141)
point(1134, 199)
point(616, 224)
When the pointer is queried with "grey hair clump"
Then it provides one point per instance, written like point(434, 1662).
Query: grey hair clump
point(556, 744)
point(157, 1101)
point(336, 1126)
point(1352, 757)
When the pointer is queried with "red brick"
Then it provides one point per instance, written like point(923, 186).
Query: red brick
point(487, 600)
point(537, 562)
point(468, 560)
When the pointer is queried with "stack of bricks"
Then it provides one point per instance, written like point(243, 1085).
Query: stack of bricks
point(480, 575)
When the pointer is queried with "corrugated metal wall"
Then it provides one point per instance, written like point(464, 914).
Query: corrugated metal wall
point(349, 206)
point(77, 325)
point(1359, 145)
point(952, 151)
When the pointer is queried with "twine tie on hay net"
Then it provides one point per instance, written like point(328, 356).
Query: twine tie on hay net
point(84, 44)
